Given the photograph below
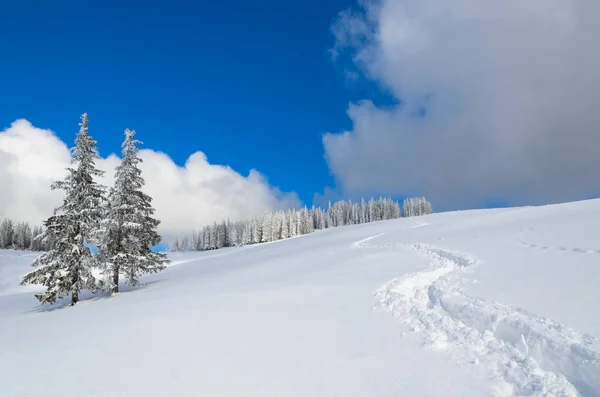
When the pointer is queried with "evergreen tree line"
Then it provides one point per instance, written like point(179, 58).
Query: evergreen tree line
point(21, 236)
point(273, 226)
point(118, 222)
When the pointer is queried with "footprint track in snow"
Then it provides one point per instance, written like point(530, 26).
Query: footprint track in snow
point(577, 250)
point(558, 249)
point(524, 354)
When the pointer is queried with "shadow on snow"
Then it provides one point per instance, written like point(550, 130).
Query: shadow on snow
point(88, 296)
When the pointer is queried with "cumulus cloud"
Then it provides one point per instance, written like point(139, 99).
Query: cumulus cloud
point(498, 100)
point(184, 197)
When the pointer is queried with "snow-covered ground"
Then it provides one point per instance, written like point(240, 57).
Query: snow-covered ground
point(474, 303)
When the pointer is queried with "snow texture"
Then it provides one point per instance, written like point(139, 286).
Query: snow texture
point(473, 303)
point(524, 353)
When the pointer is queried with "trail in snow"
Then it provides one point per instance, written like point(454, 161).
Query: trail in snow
point(418, 223)
point(525, 355)
point(361, 243)
point(577, 250)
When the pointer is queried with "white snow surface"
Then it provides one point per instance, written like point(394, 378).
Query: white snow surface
point(502, 302)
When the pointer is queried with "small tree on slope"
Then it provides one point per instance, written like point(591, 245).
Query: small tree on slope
point(129, 229)
point(66, 268)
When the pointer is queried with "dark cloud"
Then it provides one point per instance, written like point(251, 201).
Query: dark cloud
point(509, 91)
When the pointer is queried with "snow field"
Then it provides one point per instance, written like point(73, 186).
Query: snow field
point(467, 303)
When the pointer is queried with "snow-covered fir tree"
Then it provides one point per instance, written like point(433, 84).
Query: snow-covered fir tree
point(195, 242)
point(232, 233)
point(7, 233)
point(129, 229)
point(183, 246)
point(247, 234)
point(66, 268)
point(175, 245)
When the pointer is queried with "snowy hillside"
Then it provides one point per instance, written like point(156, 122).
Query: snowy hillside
point(476, 303)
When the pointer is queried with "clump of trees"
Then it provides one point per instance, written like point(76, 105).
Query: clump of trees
point(273, 226)
point(416, 206)
point(119, 224)
point(21, 236)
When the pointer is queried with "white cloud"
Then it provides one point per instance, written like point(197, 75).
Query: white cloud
point(184, 197)
point(511, 93)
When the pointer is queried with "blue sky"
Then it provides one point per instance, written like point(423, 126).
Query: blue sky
point(251, 84)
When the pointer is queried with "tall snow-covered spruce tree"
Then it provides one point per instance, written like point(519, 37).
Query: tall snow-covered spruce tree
point(66, 268)
point(129, 230)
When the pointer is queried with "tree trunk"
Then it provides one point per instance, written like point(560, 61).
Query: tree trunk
point(115, 280)
point(75, 289)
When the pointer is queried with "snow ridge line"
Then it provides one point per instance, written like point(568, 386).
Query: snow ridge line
point(525, 355)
